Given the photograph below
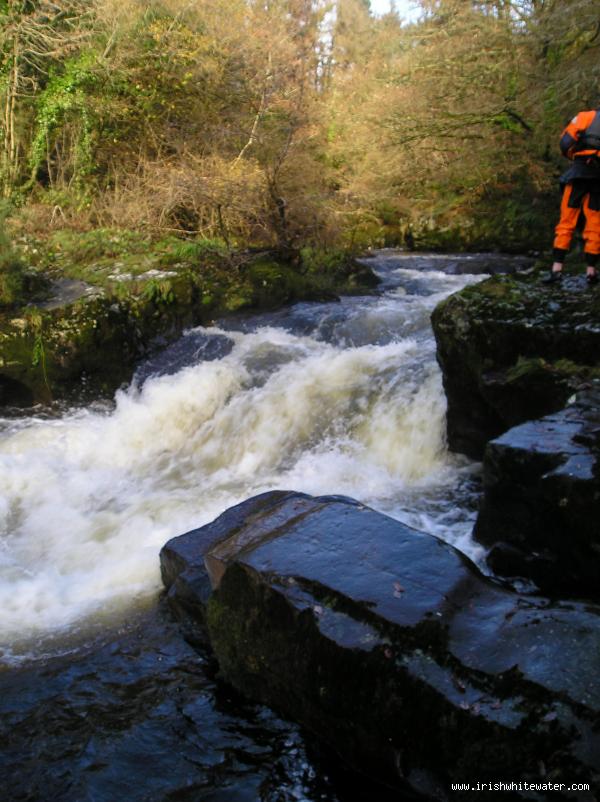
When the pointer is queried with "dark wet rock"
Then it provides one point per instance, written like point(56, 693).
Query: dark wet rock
point(391, 646)
point(490, 263)
point(183, 569)
point(196, 346)
point(541, 505)
point(14, 394)
point(512, 349)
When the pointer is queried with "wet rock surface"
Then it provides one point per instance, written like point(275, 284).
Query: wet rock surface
point(512, 349)
point(540, 511)
point(391, 646)
point(195, 347)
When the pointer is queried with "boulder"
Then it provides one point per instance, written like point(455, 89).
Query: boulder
point(392, 648)
point(512, 349)
point(540, 510)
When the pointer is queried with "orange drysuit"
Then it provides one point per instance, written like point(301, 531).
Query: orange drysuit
point(580, 142)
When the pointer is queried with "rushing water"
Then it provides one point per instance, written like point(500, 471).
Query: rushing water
point(322, 398)
point(341, 398)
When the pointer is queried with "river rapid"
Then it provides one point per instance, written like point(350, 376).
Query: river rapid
point(341, 398)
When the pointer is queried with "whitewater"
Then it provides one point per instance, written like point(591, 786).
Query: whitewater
point(330, 398)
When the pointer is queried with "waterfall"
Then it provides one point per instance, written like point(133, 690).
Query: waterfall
point(339, 398)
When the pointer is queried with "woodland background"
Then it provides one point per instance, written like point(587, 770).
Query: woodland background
point(292, 123)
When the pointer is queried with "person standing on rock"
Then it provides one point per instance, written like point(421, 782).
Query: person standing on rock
point(580, 142)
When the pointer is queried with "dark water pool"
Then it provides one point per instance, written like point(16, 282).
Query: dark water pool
point(137, 715)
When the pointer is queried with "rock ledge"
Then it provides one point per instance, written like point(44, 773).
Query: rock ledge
point(540, 510)
point(391, 646)
point(512, 349)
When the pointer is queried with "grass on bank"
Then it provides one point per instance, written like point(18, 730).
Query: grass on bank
point(104, 256)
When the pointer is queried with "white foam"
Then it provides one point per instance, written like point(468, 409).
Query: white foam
point(87, 501)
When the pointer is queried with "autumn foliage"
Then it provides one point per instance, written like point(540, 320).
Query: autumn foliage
point(293, 122)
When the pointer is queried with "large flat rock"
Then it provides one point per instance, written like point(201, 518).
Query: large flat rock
point(392, 647)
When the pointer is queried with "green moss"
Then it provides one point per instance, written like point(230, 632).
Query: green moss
point(122, 262)
point(496, 288)
point(569, 368)
point(561, 368)
point(319, 260)
point(510, 216)
point(235, 301)
point(159, 292)
point(150, 289)
point(525, 367)
point(12, 285)
point(513, 349)
point(274, 284)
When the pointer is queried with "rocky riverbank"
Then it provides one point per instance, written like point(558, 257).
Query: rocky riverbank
point(512, 349)
point(390, 646)
point(387, 644)
point(297, 395)
point(521, 369)
point(90, 322)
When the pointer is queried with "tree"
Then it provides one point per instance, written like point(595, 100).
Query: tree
point(34, 35)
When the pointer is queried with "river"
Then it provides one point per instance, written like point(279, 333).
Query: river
point(341, 398)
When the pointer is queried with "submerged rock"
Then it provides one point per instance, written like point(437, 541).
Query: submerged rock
point(391, 646)
point(512, 349)
point(541, 505)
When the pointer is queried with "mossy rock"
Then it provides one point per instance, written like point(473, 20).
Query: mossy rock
point(513, 349)
point(87, 346)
